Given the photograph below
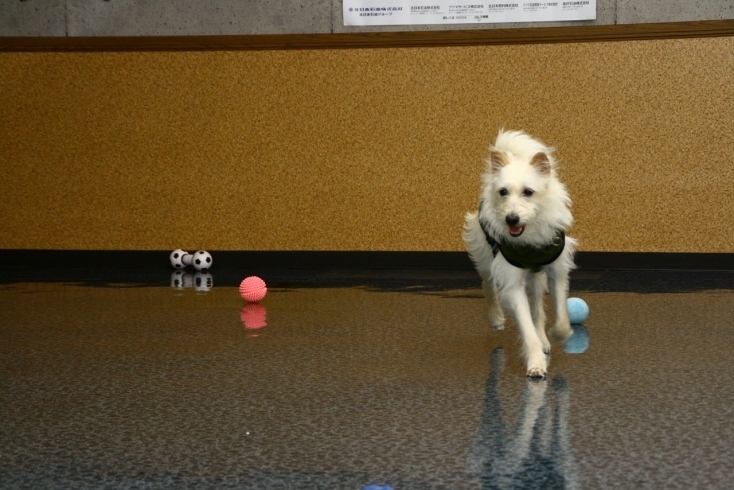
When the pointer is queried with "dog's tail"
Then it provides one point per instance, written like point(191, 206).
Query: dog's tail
point(476, 243)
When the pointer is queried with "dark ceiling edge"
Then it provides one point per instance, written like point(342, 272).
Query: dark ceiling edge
point(355, 40)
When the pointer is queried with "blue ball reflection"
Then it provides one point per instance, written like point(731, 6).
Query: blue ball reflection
point(578, 342)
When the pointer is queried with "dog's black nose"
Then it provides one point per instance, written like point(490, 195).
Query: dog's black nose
point(512, 219)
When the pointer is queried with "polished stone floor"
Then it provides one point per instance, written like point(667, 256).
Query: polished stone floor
point(368, 380)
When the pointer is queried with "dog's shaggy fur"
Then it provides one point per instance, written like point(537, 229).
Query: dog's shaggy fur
point(523, 206)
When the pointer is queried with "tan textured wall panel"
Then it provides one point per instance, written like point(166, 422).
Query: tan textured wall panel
point(360, 149)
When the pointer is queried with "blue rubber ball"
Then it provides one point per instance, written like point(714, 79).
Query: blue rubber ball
point(578, 310)
point(578, 342)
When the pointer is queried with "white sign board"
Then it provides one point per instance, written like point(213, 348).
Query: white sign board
point(413, 12)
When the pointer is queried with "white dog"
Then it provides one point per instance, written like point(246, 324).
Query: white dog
point(517, 239)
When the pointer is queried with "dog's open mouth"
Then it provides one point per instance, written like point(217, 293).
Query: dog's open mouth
point(516, 231)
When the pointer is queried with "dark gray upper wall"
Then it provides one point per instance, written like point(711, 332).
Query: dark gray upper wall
point(204, 17)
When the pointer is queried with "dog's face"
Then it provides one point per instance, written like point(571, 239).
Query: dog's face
point(519, 185)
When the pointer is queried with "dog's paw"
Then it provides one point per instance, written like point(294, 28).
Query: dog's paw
point(537, 362)
point(536, 372)
point(497, 319)
point(546, 347)
point(560, 333)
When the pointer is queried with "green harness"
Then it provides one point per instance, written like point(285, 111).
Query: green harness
point(527, 256)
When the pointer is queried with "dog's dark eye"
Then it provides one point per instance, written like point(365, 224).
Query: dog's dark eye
point(503, 192)
point(528, 192)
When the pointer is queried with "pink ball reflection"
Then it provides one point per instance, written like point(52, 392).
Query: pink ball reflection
point(253, 316)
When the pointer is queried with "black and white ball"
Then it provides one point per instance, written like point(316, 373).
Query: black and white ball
point(202, 260)
point(177, 257)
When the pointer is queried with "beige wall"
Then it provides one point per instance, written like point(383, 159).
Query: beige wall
point(364, 149)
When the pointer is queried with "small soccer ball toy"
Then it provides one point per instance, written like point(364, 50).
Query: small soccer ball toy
point(578, 310)
point(177, 257)
point(253, 289)
point(202, 260)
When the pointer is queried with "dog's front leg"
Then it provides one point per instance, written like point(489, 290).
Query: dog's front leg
point(496, 316)
point(539, 287)
point(533, 349)
point(558, 286)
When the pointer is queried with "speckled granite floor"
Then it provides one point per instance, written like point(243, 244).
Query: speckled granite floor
point(360, 380)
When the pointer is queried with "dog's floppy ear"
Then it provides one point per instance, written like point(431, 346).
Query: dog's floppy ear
point(541, 163)
point(498, 160)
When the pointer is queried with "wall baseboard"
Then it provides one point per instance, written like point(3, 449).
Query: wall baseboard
point(353, 260)
point(389, 39)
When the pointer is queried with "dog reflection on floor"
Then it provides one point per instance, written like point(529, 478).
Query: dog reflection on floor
point(537, 453)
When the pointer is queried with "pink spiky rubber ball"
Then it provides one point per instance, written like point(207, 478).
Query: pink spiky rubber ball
point(253, 289)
